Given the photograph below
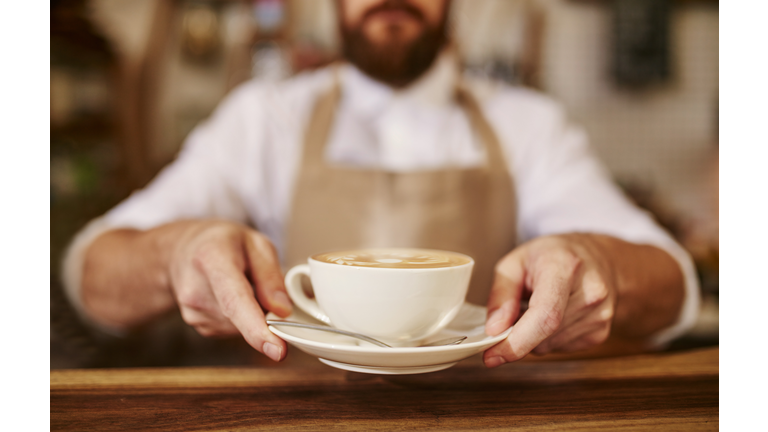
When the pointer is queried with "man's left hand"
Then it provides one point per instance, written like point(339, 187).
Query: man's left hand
point(572, 288)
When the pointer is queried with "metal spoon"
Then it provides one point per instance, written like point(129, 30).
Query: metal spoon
point(453, 340)
point(447, 341)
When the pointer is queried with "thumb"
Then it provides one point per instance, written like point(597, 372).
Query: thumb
point(506, 292)
point(265, 269)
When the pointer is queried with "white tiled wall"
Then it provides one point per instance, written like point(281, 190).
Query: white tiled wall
point(663, 137)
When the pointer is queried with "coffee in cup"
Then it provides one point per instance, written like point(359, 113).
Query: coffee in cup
point(399, 296)
point(395, 258)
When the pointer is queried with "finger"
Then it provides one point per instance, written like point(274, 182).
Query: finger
point(504, 300)
point(196, 294)
point(265, 268)
point(595, 336)
point(207, 325)
point(237, 302)
point(595, 326)
point(199, 307)
point(551, 286)
point(567, 335)
point(589, 294)
point(575, 311)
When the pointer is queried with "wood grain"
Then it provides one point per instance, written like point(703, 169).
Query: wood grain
point(670, 391)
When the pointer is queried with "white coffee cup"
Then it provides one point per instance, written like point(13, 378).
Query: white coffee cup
point(399, 306)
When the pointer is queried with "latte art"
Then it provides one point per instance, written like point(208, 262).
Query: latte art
point(394, 258)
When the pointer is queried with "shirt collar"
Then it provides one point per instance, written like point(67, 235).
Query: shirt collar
point(434, 88)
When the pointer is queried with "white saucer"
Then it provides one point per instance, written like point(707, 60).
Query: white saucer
point(387, 370)
point(351, 354)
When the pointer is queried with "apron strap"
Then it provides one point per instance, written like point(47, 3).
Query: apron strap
point(479, 124)
point(321, 122)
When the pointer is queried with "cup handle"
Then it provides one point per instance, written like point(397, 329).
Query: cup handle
point(296, 292)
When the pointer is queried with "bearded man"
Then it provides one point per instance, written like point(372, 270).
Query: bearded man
point(393, 147)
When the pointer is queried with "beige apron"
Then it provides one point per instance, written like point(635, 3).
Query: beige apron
point(472, 211)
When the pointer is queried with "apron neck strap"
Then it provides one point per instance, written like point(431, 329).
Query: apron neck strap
point(322, 119)
point(480, 126)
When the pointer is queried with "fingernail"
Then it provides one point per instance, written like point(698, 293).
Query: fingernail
point(272, 351)
point(495, 361)
point(282, 300)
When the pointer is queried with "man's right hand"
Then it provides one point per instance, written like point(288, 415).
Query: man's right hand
point(220, 274)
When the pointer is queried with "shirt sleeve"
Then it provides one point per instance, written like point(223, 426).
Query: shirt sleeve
point(562, 188)
point(197, 184)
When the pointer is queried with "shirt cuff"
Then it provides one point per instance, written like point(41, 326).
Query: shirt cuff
point(689, 313)
point(72, 271)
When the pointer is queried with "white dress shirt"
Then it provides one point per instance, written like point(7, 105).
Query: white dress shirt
point(242, 162)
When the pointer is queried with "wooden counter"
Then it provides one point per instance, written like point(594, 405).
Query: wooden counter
point(664, 391)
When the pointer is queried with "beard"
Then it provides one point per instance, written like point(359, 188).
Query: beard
point(395, 62)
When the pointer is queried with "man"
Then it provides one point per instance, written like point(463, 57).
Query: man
point(393, 149)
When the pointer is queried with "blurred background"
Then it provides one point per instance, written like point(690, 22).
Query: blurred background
point(131, 78)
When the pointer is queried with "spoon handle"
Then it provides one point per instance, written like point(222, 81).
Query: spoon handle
point(328, 329)
point(453, 340)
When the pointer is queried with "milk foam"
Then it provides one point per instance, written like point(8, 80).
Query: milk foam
point(394, 258)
